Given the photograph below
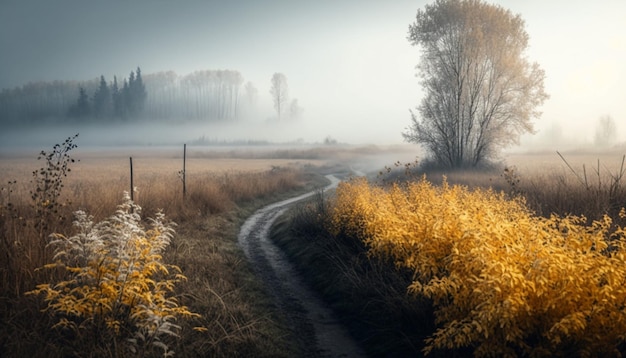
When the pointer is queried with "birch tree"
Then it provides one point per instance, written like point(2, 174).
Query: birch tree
point(481, 91)
point(279, 92)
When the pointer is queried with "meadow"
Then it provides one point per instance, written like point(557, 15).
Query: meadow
point(234, 316)
point(208, 300)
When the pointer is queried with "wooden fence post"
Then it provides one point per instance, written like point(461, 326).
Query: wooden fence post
point(132, 195)
point(184, 170)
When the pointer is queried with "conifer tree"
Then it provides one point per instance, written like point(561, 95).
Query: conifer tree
point(102, 99)
point(137, 93)
point(81, 108)
point(118, 100)
point(125, 97)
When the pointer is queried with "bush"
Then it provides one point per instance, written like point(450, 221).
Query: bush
point(117, 291)
point(502, 280)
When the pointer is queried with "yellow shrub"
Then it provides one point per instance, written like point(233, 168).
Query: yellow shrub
point(501, 279)
point(117, 287)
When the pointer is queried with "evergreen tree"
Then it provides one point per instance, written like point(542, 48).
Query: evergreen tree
point(140, 90)
point(125, 99)
point(130, 98)
point(81, 109)
point(137, 93)
point(83, 103)
point(102, 99)
point(118, 99)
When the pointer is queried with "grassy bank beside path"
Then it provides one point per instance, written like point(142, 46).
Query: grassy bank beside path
point(237, 318)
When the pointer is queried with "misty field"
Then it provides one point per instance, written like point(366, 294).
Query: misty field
point(212, 305)
point(214, 298)
point(214, 279)
point(153, 169)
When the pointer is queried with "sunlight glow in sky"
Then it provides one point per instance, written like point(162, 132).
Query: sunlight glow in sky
point(348, 62)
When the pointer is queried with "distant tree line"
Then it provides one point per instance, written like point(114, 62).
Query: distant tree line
point(208, 95)
point(109, 100)
point(39, 101)
point(201, 95)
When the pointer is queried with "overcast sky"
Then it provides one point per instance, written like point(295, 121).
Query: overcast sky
point(347, 61)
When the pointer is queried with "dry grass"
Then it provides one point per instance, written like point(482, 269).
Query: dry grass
point(222, 188)
point(578, 183)
point(104, 176)
point(238, 318)
point(589, 184)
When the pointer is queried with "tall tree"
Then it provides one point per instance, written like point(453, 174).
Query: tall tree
point(129, 96)
point(125, 97)
point(606, 132)
point(251, 94)
point(279, 92)
point(481, 92)
point(117, 99)
point(138, 92)
point(102, 103)
point(163, 87)
point(81, 108)
point(236, 80)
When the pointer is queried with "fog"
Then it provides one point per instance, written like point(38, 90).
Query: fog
point(347, 63)
point(158, 134)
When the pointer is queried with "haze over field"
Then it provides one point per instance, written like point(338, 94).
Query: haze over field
point(348, 63)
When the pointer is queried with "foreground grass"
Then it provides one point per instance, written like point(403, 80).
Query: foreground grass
point(236, 316)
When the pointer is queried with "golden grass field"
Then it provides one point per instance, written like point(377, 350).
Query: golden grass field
point(113, 166)
point(223, 187)
point(99, 177)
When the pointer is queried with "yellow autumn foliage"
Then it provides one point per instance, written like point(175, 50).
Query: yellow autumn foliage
point(116, 284)
point(502, 280)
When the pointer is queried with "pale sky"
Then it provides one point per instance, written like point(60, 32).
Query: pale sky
point(348, 62)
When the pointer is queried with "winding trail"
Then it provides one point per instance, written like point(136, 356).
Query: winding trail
point(313, 324)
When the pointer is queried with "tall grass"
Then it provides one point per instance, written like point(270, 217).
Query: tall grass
point(236, 318)
point(591, 192)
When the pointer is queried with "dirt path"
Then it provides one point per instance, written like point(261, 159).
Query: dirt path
point(313, 324)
